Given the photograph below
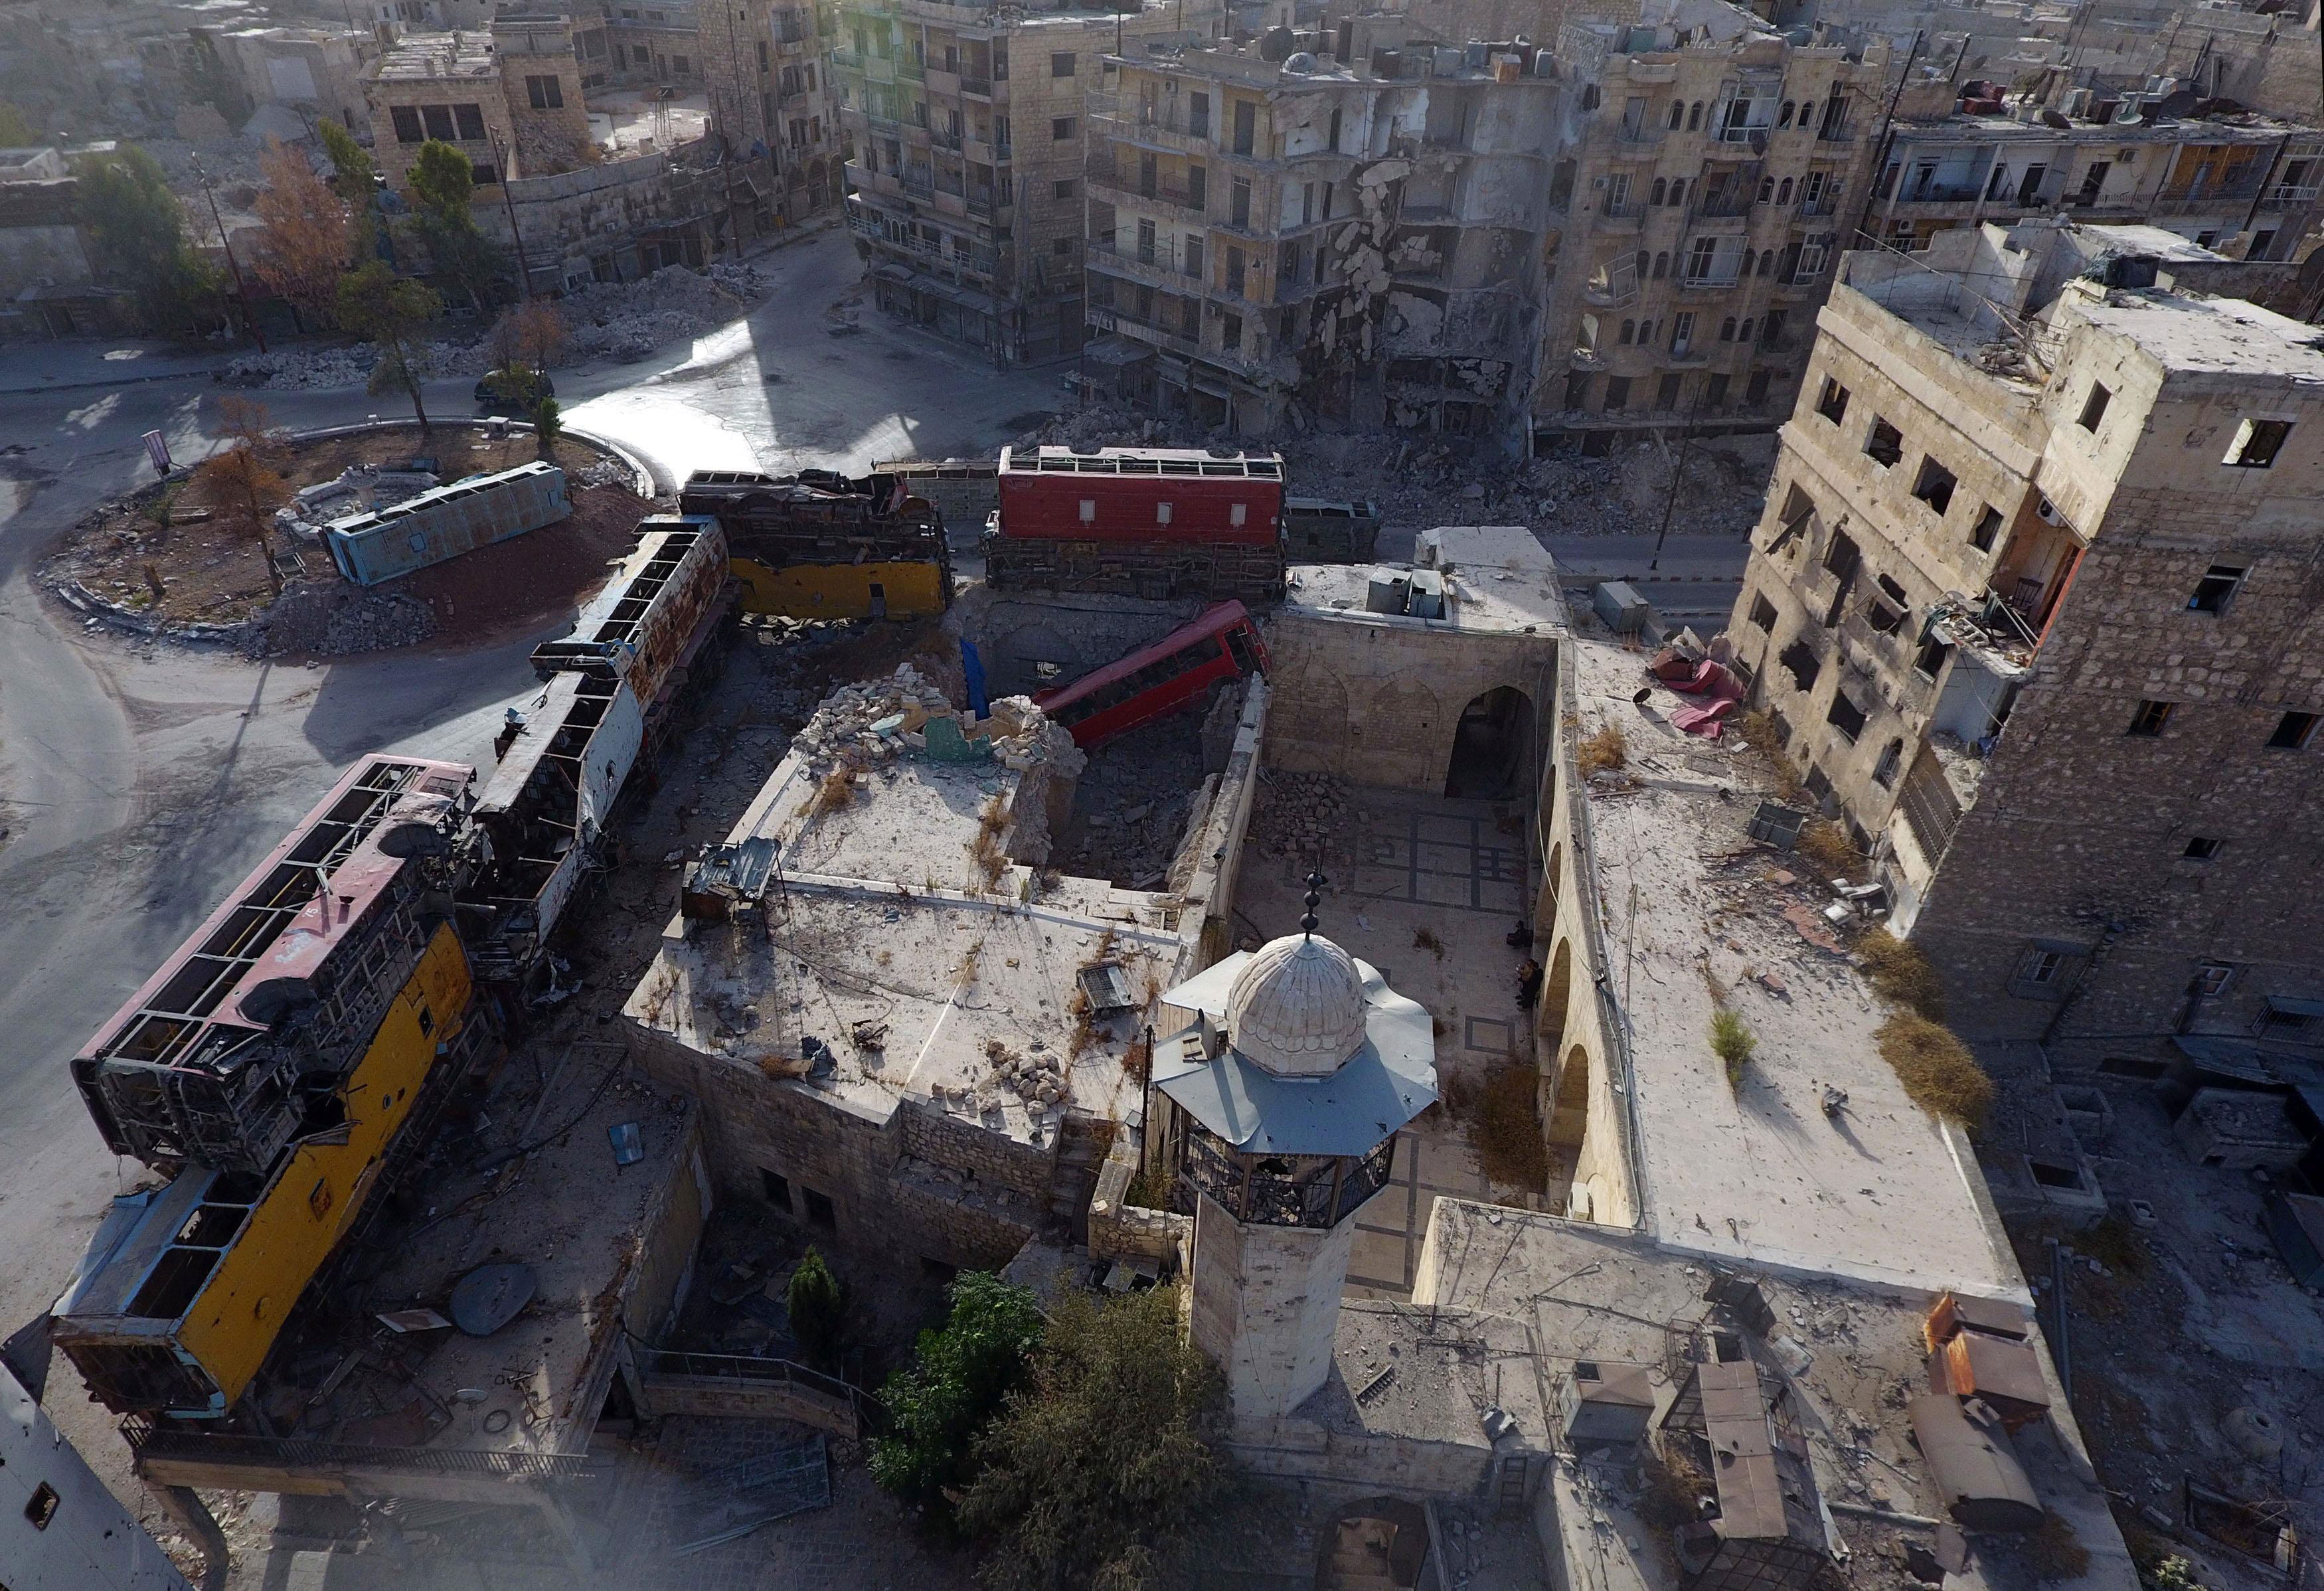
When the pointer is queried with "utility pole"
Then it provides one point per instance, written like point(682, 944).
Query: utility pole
point(249, 321)
point(523, 267)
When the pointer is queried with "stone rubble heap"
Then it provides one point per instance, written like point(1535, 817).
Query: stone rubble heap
point(842, 730)
point(337, 621)
point(356, 489)
point(1309, 818)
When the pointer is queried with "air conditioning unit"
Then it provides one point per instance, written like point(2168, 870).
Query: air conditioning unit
point(2049, 513)
point(1597, 184)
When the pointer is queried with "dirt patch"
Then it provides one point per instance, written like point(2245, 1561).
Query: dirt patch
point(170, 557)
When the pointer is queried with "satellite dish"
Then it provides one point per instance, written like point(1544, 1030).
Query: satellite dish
point(491, 1296)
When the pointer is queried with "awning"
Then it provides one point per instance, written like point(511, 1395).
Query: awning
point(1120, 351)
point(890, 270)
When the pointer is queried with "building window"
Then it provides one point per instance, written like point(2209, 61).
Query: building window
point(1062, 188)
point(2256, 443)
point(1935, 485)
point(483, 174)
point(1617, 393)
point(819, 1209)
point(2293, 732)
point(1988, 526)
point(2213, 979)
point(2150, 718)
point(2287, 1016)
point(406, 124)
point(777, 1189)
point(2202, 849)
point(1061, 63)
point(1231, 332)
point(544, 93)
point(1845, 716)
point(2043, 971)
point(1063, 247)
point(438, 119)
point(1714, 391)
point(1832, 401)
point(1629, 330)
point(1763, 614)
point(1666, 393)
point(680, 65)
point(1677, 115)
point(1931, 659)
point(2094, 407)
point(1661, 266)
point(43, 1508)
point(1803, 665)
point(2215, 589)
point(1885, 446)
point(1841, 557)
point(1727, 330)
point(470, 120)
point(763, 59)
point(1681, 331)
point(1061, 129)
point(1884, 771)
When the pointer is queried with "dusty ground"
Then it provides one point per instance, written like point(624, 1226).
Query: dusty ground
point(210, 571)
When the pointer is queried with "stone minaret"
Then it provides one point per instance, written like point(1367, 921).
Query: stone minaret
point(1286, 1096)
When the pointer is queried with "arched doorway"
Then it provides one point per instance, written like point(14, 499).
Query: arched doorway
point(1492, 747)
point(1550, 1014)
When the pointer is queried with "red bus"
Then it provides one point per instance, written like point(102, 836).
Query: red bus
point(1176, 672)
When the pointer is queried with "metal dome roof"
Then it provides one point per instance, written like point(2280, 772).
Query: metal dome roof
point(1297, 1009)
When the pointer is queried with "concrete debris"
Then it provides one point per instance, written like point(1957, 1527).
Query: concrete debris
point(337, 621)
point(860, 724)
point(1306, 817)
point(355, 489)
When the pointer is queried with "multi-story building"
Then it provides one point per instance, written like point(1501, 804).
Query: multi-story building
point(2244, 184)
point(1348, 225)
point(772, 97)
point(966, 125)
point(2029, 602)
point(445, 87)
point(641, 42)
point(1703, 200)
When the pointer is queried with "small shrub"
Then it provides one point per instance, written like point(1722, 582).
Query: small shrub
point(2054, 1552)
point(836, 789)
point(991, 856)
point(1603, 752)
point(818, 1309)
point(1732, 1041)
point(2174, 1573)
point(1826, 844)
point(1901, 974)
point(1758, 729)
point(1939, 1073)
point(1149, 1190)
point(1507, 1130)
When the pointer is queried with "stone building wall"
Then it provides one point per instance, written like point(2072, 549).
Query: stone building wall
point(541, 79)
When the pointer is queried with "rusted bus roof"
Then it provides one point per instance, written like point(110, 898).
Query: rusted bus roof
point(652, 609)
point(193, 1010)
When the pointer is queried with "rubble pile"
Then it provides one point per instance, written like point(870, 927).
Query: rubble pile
point(860, 724)
point(1306, 817)
point(337, 621)
point(353, 490)
point(1038, 1080)
point(630, 320)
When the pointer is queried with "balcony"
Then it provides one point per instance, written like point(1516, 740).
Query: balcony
point(1725, 206)
point(942, 82)
point(912, 72)
point(2199, 192)
point(1827, 206)
point(1137, 265)
point(1105, 181)
point(1623, 213)
point(2283, 196)
point(1940, 193)
point(1645, 135)
point(976, 88)
point(879, 69)
point(1157, 134)
point(1842, 134)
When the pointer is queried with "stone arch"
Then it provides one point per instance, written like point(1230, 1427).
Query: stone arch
point(1316, 701)
point(1556, 998)
point(1567, 1121)
point(1492, 746)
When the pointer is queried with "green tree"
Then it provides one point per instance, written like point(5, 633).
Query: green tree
point(354, 180)
point(392, 311)
point(548, 425)
point(818, 1310)
point(139, 232)
point(941, 1403)
point(443, 184)
point(1106, 1455)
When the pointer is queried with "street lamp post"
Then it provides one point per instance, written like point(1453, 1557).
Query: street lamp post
point(209, 191)
point(523, 266)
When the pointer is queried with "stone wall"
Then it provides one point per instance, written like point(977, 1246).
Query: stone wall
point(1266, 1303)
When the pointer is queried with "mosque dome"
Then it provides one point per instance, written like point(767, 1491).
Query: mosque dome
point(1298, 1007)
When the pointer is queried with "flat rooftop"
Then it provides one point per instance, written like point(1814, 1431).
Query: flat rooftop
point(1498, 580)
point(422, 56)
point(900, 960)
point(1850, 1353)
point(2211, 335)
point(1757, 1175)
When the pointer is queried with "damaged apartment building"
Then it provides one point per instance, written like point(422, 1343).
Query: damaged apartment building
point(2027, 605)
point(774, 107)
point(966, 127)
point(1715, 167)
point(1345, 225)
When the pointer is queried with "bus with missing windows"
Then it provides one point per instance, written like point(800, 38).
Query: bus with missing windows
point(1178, 672)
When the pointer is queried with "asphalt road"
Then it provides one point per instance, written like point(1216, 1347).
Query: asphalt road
point(138, 784)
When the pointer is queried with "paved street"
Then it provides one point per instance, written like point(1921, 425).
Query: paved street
point(135, 788)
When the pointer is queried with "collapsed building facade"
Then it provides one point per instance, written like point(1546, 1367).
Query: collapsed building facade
point(1348, 225)
point(774, 107)
point(2025, 604)
point(965, 128)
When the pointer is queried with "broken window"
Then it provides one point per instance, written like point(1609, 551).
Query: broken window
point(1755, 391)
point(1845, 716)
point(1988, 526)
point(1935, 485)
point(1930, 661)
point(2202, 848)
point(1799, 508)
point(778, 1188)
point(1617, 393)
point(1666, 393)
point(2212, 979)
point(1714, 392)
point(1061, 63)
point(470, 119)
point(2150, 717)
point(2094, 407)
point(1061, 129)
point(2044, 970)
point(2217, 588)
point(1885, 446)
point(406, 124)
point(819, 1209)
point(2256, 443)
point(1801, 661)
point(1832, 401)
point(1885, 617)
point(1843, 556)
point(437, 118)
point(1763, 613)
point(2293, 732)
point(1884, 771)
